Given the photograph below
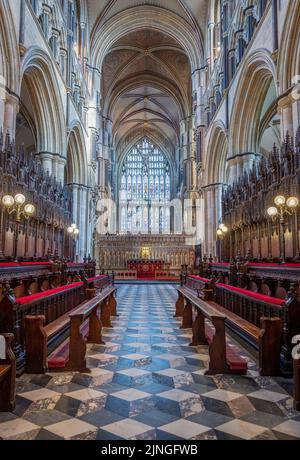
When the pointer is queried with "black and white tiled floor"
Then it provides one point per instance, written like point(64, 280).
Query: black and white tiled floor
point(147, 383)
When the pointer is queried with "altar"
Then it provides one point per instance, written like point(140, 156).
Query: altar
point(145, 268)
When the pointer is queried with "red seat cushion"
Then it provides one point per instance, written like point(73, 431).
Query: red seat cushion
point(254, 295)
point(40, 295)
point(234, 360)
point(57, 362)
point(262, 264)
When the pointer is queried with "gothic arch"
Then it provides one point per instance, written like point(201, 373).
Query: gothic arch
point(39, 76)
point(76, 167)
point(9, 50)
point(105, 35)
point(257, 74)
point(289, 51)
point(217, 152)
point(154, 137)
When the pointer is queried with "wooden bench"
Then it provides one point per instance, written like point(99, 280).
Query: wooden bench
point(41, 340)
point(253, 307)
point(26, 278)
point(98, 282)
point(52, 304)
point(203, 287)
point(222, 357)
point(77, 349)
point(247, 313)
point(7, 373)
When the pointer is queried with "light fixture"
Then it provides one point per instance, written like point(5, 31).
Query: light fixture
point(29, 209)
point(285, 206)
point(8, 201)
point(15, 205)
point(280, 200)
point(292, 202)
point(73, 231)
point(272, 211)
point(20, 199)
point(222, 230)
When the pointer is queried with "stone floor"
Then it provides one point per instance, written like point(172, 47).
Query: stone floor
point(146, 382)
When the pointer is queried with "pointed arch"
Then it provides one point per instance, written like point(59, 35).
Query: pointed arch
point(76, 166)
point(257, 74)
point(139, 17)
point(217, 152)
point(9, 50)
point(39, 76)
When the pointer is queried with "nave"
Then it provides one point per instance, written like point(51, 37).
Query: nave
point(146, 382)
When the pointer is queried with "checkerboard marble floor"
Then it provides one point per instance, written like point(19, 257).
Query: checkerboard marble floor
point(146, 382)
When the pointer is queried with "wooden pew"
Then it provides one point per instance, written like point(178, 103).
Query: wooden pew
point(7, 373)
point(26, 278)
point(52, 304)
point(252, 308)
point(77, 354)
point(41, 340)
point(203, 287)
point(273, 279)
point(247, 313)
point(98, 282)
point(221, 357)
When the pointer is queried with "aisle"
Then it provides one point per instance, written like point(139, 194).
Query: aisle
point(147, 383)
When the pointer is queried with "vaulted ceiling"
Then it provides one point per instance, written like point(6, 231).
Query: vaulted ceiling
point(193, 11)
point(146, 84)
point(146, 74)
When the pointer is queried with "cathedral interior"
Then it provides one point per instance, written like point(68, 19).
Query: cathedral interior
point(149, 220)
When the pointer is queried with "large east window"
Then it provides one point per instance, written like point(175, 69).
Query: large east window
point(145, 190)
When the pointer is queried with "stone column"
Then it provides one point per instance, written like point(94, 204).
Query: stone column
point(10, 113)
point(61, 164)
point(285, 107)
point(210, 50)
point(47, 161)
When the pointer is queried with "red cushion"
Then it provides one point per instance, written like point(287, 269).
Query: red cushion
point(234, 360)
point(262, 264)
point(97, 278)
point(34, 263)
point(254, 295)
point(57, 363)
point(205, 280)
point(8, 264)
point(22, 264)
point(40, 295)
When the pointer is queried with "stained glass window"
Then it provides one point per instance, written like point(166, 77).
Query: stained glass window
point(145, 190)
